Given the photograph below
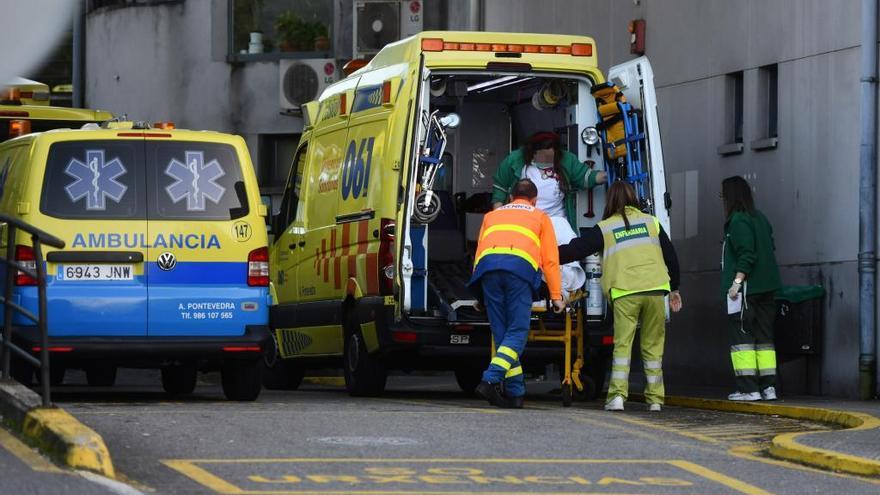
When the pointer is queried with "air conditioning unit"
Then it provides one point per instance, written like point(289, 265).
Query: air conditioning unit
point(379, 22)
point(301, 81)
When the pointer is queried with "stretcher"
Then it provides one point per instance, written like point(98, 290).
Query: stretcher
point(623, 135)
point(545, 327)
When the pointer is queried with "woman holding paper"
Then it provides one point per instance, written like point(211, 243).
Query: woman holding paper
point(749, 278)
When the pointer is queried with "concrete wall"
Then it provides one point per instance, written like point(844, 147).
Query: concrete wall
point(168, 62)
point(807, 186)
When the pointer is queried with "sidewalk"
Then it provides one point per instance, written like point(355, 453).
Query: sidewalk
point(854, 449)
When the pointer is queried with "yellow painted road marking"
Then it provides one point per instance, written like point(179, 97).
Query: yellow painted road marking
point(720, 478)
point(696, 436)
point(198, 474)
point(336, 381)
point(189, 468)
point(750, 453)
point(27, 455)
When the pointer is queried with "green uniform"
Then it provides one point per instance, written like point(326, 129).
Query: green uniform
point(636, 279)
point(578, 175)
point(749, 248)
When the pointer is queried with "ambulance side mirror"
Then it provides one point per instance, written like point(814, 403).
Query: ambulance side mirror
point(266, 211)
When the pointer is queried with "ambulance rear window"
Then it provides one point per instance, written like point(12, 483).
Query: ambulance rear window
point(94, 180)
point(194, 180)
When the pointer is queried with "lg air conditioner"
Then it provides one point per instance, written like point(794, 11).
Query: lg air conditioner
point(301, 81)
point(379, 22)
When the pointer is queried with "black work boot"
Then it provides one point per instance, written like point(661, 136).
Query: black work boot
point(492, 393)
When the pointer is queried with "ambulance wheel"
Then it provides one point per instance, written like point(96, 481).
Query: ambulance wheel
point(365, 373)
point(594, 374)
point(241, 379)
point(566, 394)
point(468, 377)
point(179, 379)
point(56, 374)
point(282, 374)
point(101, 375)
point(21, 371)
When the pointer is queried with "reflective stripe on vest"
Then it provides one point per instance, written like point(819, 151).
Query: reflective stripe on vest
point(510, 251)
point(509, 227)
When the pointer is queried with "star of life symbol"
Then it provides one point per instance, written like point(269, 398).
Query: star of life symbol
point(95, 180)
point(195, 180)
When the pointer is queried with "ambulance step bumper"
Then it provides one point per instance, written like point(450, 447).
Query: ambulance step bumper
point(254, 342)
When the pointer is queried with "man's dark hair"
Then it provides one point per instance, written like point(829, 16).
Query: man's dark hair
point(524, 188)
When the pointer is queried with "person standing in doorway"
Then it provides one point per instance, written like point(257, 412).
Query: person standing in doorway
point(749, 279)
point(557, 174)
point(516, 244)
point(639, 268)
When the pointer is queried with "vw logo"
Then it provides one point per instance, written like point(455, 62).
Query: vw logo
point(166, 261)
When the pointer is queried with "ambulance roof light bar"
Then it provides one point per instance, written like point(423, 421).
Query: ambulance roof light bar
point(440, 45)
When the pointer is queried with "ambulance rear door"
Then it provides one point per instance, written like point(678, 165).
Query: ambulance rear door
point(636, 80)
point(414, 242)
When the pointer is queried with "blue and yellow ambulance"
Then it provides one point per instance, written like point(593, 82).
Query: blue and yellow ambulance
point(166, 258)
point(379, 220)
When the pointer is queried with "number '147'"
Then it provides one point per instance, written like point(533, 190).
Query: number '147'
point(356, 168)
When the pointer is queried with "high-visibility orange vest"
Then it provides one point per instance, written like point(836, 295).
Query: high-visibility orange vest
point(519, 229)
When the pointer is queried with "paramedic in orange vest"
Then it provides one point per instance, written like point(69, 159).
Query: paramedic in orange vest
point(516, 245)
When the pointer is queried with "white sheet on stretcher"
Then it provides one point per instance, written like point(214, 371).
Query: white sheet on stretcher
point(573, 276)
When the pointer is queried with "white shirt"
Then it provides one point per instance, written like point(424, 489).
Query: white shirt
point(551, 199)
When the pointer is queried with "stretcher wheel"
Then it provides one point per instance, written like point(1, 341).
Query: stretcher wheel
point(566, 394)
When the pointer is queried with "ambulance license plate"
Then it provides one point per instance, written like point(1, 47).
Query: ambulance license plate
point(459, 339)
point(96, 272)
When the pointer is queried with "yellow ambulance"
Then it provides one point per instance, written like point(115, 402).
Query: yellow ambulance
point(24, 108)
point(377, 228)
point(166, 260)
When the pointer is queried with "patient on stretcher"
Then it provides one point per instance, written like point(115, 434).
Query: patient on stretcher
point(573, 275)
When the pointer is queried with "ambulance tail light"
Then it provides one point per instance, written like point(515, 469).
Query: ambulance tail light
point(19, 128)
point(25, 256)
point(386, 256)
point(258, 267)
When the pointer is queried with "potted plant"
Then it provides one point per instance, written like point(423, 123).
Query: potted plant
point(322, 40)
point(288, 31)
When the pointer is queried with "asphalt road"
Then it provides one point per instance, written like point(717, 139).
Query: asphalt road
point(424, 437)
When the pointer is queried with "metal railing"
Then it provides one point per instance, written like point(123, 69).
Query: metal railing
point(13, 268)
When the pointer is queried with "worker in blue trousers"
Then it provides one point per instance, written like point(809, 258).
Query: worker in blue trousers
point(516, 244)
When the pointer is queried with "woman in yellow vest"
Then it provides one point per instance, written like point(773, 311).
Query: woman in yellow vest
point(639, 267)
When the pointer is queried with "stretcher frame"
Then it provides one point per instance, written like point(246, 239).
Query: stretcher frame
point(571, 336)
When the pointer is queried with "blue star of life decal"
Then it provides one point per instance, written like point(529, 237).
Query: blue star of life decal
point(195, 180)
point(95, 180)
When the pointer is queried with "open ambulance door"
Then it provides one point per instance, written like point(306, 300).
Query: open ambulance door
point(413, 265)
point(636, 80)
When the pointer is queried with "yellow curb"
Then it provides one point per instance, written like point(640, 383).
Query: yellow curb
point(59, 434)
point(335, 381)
point(785, 446)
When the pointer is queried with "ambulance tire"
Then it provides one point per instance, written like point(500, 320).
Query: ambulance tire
point(365, 374)
point(21, 371)
point(241, 379)
point(56, 374)
point(101, 375)
point(593, 376)
point(282, 375)
point(179, 379)
point(468, 377)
